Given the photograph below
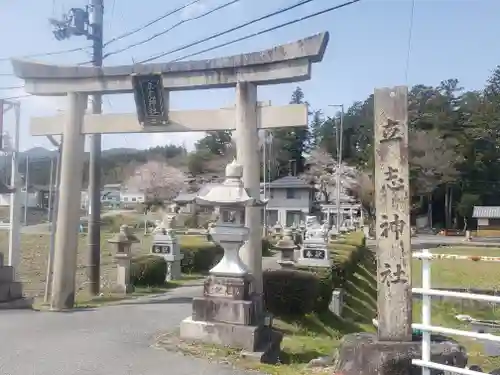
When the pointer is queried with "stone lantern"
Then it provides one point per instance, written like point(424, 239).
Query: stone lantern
point(226, 314)
point(166, 245)
point(123, 242)
point(287, 248)
point(277, 231)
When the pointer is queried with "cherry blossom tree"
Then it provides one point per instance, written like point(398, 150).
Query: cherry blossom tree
point(321, 171)
point(157, 180)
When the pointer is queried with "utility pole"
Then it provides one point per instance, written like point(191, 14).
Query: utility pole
point(96, 13)
point(26, 186)
point(339, 135)
point(15, 188)
point(53, 223)
point(89, 22)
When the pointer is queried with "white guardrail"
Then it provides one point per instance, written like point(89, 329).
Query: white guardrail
point(427, 329)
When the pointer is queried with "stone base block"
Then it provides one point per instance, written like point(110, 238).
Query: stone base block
point(123, 289)
point(10, 291)
point(223, 310)
point(17, 304)
point(237, 288)
point(269, 349)
point(286, 264)
point(258, 342)
point(6, 274)
point(362, 353)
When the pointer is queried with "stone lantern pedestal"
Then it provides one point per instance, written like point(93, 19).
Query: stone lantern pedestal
point(228, 314)
point(123, 242)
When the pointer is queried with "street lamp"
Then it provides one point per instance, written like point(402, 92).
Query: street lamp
point(339, 136)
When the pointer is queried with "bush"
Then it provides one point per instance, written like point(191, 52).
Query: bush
point(345, 256)
point(290, 292)
point(113, 223)
point(199, 255)
point(266, 248)
point(148, 270)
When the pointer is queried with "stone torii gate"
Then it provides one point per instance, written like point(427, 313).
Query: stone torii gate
point(281, 64)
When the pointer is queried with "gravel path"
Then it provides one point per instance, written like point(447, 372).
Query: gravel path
point(114, 340)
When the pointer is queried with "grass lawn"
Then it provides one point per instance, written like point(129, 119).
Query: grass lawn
point(443, 314)
point(34, 256)
point(314, 336)
point(461, 273)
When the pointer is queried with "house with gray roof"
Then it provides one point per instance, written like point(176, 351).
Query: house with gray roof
point(488, 220)
point(290, 200)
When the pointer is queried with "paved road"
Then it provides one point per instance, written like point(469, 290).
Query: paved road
point(112, 340)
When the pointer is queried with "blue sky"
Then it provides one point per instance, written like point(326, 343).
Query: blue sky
point(368, 48)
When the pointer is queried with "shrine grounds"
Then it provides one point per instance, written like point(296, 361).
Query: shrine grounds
point(307, 337)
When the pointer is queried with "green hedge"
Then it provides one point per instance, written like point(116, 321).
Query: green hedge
point(345, 258)
point(200, 256)
point(148, 270)
point(290, 292)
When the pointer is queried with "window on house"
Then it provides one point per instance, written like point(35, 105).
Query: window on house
point(125, 199)
point(134, 199)
point(290, 193)
point(271, 193)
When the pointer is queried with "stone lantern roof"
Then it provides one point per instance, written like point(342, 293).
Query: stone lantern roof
point(231, 192)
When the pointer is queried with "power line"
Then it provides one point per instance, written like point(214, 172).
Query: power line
point(264, 31)
point(132, 32)
point(216, 35)
point(11, 87)
point(48, 53)
point(410, 34)
point(225, 5)
point(16, 97)
point(61, 52)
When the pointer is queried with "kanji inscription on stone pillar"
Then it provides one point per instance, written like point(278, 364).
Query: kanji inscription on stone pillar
point(392, 202)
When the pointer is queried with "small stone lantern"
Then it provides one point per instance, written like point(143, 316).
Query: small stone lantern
point(123, 242)
point(277, 231)
point(165, 244)
point(287, 247)
point(226, 314)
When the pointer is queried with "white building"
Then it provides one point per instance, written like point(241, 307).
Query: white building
point(130, 197)
point(290, 200)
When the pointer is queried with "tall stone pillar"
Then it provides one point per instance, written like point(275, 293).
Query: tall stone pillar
point(247, 149)
point(392, 206)
point(68, 213)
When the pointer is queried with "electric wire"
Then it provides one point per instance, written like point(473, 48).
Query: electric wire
point(273, 28)
point(54, 53)
point(410, 36)
point(152, 22)
point(227, 31)
point(122, 36)
point(154, 36)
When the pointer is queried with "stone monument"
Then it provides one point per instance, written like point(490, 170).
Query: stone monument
point(228, 314)
point(165, 244)
point(395, 345)
point(11, 291)
point(314, 251)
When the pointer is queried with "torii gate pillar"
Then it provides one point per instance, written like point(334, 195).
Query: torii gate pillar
point(247, 154)
point(68, 213)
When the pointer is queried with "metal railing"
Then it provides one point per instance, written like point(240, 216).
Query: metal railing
point(427, 329)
